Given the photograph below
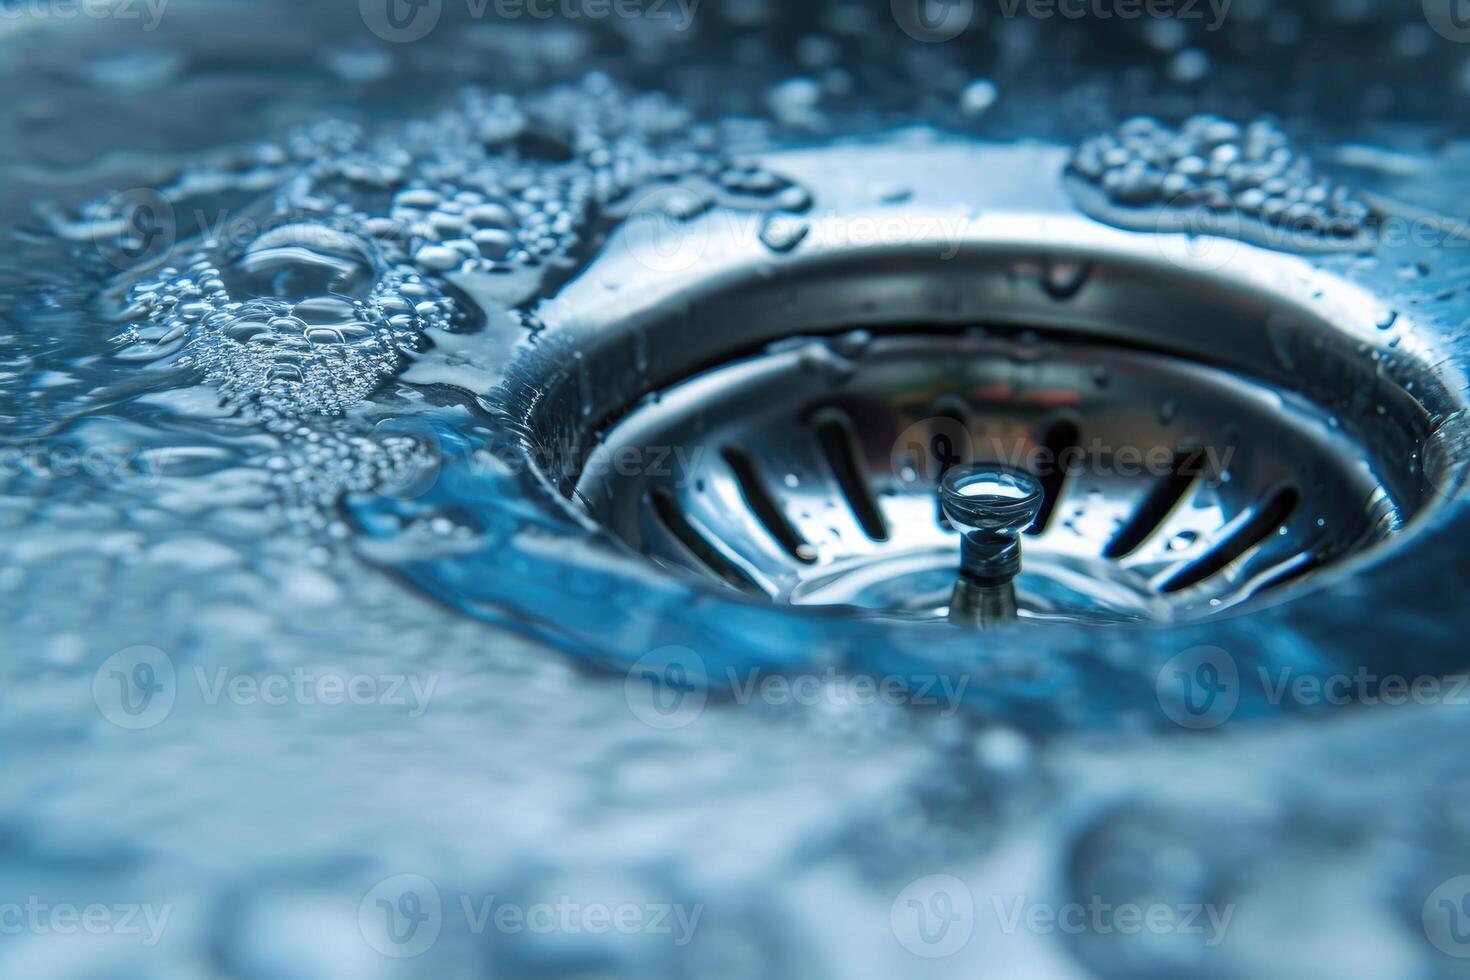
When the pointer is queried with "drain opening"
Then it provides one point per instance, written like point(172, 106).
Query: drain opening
point(1061, 448)
point(1250, 529)
point(1298, 568)
point(764, 506)
point(1159, 504)
point(674, 521)
point(834, 430)
point(1216, 518)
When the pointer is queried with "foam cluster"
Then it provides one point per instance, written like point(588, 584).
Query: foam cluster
point(347, 268)
point(1213, 163)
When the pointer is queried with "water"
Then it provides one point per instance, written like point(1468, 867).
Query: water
point(289, 633)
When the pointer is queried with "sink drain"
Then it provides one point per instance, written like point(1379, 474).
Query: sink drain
point(1204, 432)
point(1168, 488)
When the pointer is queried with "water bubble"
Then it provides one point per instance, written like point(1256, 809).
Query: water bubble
point(978, 96)
point(1189, 65)
point(1216, 177)
point(304, 259)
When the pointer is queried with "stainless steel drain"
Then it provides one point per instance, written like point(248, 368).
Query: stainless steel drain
point(1205, 430)
point(1169, 487)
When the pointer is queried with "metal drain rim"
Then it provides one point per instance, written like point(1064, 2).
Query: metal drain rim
point(1034, 257)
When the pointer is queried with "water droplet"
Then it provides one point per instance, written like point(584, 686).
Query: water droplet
point(1063, 280)
point(1183, 540)
point(783, 232)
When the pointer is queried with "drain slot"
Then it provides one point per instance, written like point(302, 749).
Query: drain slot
point(1062, 442)
point(1249, 533)
point(834, 431)
point(764, 506)
point(1158, 505)
point(1295, 570)
point(672, 517)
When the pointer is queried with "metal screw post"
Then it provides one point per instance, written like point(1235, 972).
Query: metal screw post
point(990, 507)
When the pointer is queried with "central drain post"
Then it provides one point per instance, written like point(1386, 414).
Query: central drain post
point(990, 507)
